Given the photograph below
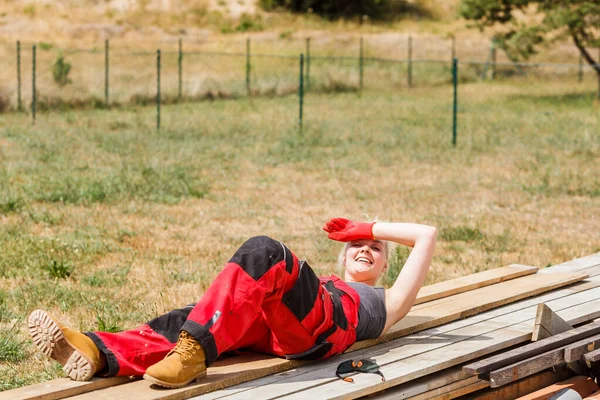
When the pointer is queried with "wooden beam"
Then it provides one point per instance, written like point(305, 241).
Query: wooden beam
point(461, 306)
point(424, 384)
point(525, 368)
point(448, 309)
point(532, 349)
point(592, 356)
point(473, 281)
point(61, 388)
point(429, 340)
point(523, 387)
point(453, 390)
point(402, 361)
point(574, 352)
point(547, 323)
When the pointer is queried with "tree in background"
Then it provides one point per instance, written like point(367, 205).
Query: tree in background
point(525, 24)
point(375, 9)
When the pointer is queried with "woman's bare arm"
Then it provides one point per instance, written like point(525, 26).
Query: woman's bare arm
point(401, 296)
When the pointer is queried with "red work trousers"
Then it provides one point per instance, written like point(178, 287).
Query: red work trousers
point(264, 299)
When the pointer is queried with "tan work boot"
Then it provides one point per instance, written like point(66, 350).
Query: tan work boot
point(185, 363)
point(76, 352)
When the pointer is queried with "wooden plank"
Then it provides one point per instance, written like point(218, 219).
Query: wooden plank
point(577, 287)
point(532, 349)
point(454, 390)
point(508, 314)
point(462, 305)
point(522, 387)
point(60, 388)
point(574, 352)
point(320, 374)
point(582, 264)
point(473, 281)
point(592, 356)
point(424, 384)
point(406, 369)
point(547, 323)
point(522, 369)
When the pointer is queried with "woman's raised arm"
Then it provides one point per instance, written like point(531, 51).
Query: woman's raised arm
point(401, 296)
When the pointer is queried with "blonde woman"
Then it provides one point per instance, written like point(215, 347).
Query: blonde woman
point(265, 299)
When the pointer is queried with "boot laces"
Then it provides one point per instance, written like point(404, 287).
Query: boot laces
point(186, 345)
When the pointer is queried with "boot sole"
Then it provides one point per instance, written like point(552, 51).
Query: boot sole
point(49, 338)
point(169, 385)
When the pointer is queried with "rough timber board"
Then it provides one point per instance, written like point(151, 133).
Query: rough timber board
point(473, 281)
point(425, 363)
point(522, 369)
point(461, 305)
point(453, 390)
point(501, 294)
point(532, 349)
point(323, 372)
point(86, 386)
point(60, 388)
point(523, 387)
point(559, 299)
point(424, 384)
point(579, 264)
point(547, 323)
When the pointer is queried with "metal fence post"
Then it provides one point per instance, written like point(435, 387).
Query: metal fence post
point(307, 63)
point(455, 100)
point(158, 89)
point(106, 72)
point(180, 61)
point(409, 76)
point(301, 92)
point(360, 65)
point(580, 68)
point(493, 59)
point(19, 106)
point(33, 94)
point(248, 66)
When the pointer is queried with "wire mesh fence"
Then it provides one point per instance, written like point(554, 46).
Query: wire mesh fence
point(109, 75)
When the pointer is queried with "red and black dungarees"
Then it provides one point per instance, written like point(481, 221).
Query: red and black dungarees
point(264, 300)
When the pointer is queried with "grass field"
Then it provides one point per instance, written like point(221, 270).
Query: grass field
point(106, 222)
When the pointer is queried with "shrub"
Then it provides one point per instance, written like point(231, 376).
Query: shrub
point(60, 71)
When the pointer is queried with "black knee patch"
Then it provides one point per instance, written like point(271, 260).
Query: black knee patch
point(258, 254)
point(169, 325)
point(301, 298)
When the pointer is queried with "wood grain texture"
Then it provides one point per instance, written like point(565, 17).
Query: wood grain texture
point(583, 263)
point(142, 390)
point(522, 369)
point(321, 372)
point(402, 363)
point(592, 356)
point(522, 387)
point(473, 281)
point(532, 349)
point(574, 352)
point(454, 389)
point(547, 323)
point(60, 388)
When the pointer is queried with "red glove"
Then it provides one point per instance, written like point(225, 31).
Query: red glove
point(344, 230)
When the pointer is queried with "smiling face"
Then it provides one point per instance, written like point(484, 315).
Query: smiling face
point(365, 260)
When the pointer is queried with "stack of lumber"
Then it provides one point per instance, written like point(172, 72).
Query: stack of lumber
point(453, 324)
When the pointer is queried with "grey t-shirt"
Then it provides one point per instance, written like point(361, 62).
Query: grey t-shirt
point(371, 311)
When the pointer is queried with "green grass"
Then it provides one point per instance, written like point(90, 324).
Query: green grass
point(107, 222)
